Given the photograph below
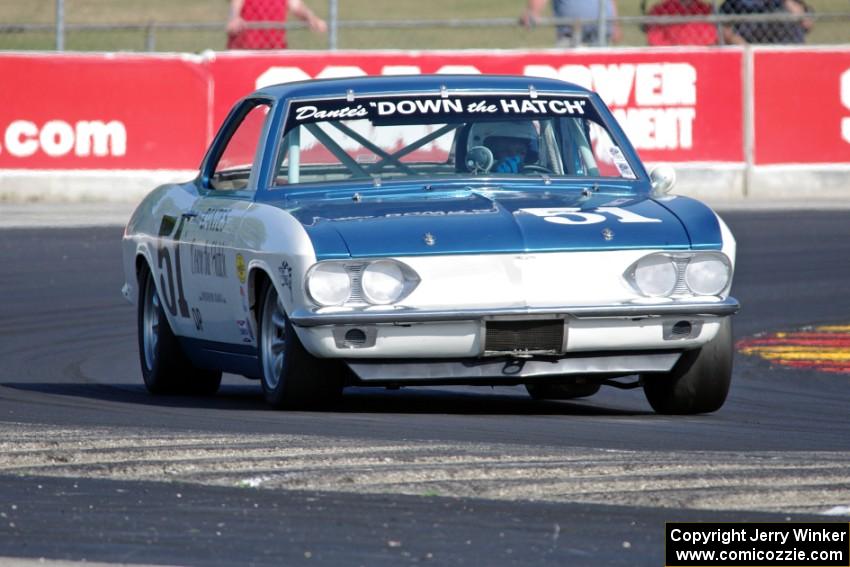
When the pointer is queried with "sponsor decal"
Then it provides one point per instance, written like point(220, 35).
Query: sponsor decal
point(825, 348)
point(621, 163)
point(285, 271)
point(208, 259)
point(245, 328)
point(214, 219)
point(244, 297)
point(211, 297)
point(241, 271)
point(198, 319)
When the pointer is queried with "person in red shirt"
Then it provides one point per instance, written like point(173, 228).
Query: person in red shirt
point(684, 33)
point(239, 36)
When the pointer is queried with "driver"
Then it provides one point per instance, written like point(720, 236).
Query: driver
point(512, 143)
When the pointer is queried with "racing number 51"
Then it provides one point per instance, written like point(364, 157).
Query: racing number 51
point(164, 258)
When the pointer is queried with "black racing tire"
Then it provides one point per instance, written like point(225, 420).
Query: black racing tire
point(165, 367)
point(561, 390)
point(700, 381)
point(292, 378)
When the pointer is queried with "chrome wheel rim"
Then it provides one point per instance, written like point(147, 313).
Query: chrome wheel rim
point(273, 342)
point(150, 323)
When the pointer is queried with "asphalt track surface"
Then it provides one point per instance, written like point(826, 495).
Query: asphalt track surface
point(93, 468)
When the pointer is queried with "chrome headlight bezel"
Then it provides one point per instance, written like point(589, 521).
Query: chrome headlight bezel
point(358, 295)
point(325, 269)
point(719, 287)
point(663, 266)
point(681, 262)
point(378, 272)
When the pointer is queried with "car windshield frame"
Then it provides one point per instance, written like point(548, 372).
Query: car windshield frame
point(336, 110)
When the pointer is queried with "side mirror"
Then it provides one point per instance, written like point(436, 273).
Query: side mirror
point(663, 177)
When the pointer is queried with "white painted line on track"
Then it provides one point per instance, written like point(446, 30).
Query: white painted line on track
point(42, 215)
point(44, 562)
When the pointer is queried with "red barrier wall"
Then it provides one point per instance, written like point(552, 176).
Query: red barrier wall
point(675, 106)
point(123, 111)
point(802, 106)
point(102, 112)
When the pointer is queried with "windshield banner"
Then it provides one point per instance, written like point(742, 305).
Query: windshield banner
point(437, 109)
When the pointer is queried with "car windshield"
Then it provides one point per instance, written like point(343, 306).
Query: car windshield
point(433, 136)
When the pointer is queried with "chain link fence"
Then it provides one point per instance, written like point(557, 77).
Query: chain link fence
point(198, 25)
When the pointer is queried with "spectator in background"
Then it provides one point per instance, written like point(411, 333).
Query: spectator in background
point(577, 10)
point(684, 33)
point(767, 32)
point(239, 36)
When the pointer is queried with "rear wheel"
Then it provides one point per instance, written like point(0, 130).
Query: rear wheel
point(292, 377)
point(700, 380)
point(165, 367)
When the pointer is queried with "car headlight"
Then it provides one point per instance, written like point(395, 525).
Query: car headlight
point(665, 274)
point(708, 275)
point(383, 282)
point(329, 284)
point(357, 283)
point(655, 275)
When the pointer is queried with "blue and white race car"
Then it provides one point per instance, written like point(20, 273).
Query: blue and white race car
point(394, 231)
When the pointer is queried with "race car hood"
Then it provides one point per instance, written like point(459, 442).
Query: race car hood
point(495, 220)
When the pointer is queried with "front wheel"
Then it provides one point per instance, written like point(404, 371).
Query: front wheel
point(292, 377)
point(165, 367)
point(700, 380)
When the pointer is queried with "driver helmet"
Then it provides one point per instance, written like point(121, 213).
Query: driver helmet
point(504, 138)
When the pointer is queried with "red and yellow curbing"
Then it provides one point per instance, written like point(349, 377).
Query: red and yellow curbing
point(825, 348)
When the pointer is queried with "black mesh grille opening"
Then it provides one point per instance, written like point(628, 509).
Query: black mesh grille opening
point(681, 329)
point(539, 335)
point(355, 337)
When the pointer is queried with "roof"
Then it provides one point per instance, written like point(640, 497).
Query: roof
point(397, 84)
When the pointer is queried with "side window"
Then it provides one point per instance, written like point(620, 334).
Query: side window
point(590, 151)
point(233, 168)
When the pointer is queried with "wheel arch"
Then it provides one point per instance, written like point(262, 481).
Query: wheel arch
point(142, 262)
point(258, 277)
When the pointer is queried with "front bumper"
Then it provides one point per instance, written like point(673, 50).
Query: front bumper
point(404, 333)
point(403, 315)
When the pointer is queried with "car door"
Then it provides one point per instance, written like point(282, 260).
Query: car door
point(212, 268)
